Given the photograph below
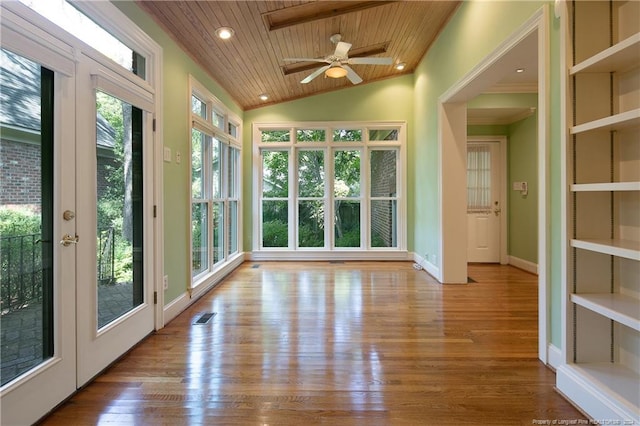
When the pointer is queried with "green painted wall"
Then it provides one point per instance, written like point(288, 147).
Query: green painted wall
point(523, 209)
point(458, 49)
point(176, 135)
point(390, 99)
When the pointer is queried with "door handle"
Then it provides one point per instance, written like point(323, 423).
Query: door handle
point(67, 240)
point(497, 211)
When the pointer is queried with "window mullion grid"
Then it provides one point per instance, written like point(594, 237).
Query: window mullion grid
point(365, 195)
point(293, 195)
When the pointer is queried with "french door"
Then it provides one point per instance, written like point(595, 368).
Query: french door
point(113, 217)
point(88, 189)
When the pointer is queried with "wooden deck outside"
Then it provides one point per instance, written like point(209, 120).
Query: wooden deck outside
point(309, 343)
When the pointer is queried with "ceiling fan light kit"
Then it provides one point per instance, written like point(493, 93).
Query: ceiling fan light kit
point(336, 72)
point(339, 61)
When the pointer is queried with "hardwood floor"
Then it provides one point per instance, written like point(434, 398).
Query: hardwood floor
point(339, 344)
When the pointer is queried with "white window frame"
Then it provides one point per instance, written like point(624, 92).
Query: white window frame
point(214, 271)
point(365, 146)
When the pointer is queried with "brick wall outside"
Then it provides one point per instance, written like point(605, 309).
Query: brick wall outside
point(20, 175)
point(383, 184)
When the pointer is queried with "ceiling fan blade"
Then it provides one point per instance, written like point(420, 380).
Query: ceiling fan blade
point(370, 61)
point(305, 60)
point(342, 49)
point(351, 75)
point(314, 74)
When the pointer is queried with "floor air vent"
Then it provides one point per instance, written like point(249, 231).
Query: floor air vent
point(204, 318)
point(255, 266)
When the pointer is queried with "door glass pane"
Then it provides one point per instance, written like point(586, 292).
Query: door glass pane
point(347, 223)
point(199, 237)
point(311, 223)
point(72, 20)
point(478, 178)
point(26, 220)
point(384, 223)
point(119, 207)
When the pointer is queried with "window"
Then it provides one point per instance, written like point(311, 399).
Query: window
point(329, 187)
point(215, 184)
point(478, 178)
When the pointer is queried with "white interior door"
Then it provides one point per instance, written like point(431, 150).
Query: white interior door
point(114, 217)
point(484, 202)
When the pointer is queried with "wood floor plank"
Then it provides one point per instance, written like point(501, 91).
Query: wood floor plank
point(353, 343)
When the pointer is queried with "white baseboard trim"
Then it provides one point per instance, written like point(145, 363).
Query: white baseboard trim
point(311, 255)
point(429, 267)
point(182, 302)
point(523, 264)
point(175, 307)
point(554, 356)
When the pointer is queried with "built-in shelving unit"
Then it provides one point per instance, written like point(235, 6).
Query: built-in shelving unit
point(601, 370)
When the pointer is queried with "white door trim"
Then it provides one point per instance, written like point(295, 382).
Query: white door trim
point(504, 184)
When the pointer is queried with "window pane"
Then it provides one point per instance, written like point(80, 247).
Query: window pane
point(72, 20)
point(383, 173)
point(275, 174)
point(119, 206)
point(216, 170)
point(199, 235)
point(383, 223)
point(198, 141)
point(311, 223)
point(198, 107)
point(311, 173)
point(347, 174)
point(233, 227)
point(383, 134)
point(347, 224)
point(275, 220)
point(218, 232)
point(234, 165)
point(233, 130)
point(218, 120)
point(347, 135)
point(26, 215)
point(276, 135)
point(310, 135)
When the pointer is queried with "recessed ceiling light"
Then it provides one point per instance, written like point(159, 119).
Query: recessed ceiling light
point(225, 33)
point(264, 97)
point(520, 70)
point(400, 66)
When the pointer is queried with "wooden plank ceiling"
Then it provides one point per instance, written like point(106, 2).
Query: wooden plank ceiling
point(265, 32)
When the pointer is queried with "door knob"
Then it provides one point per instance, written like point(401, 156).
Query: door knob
point(67, 240)
point(496, 211)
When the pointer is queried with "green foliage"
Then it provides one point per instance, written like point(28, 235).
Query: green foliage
point(18, 222)
point(347, 135)
point(275, 169)
point(276, 136)
point(123, 261)
point(310, 135)
point(349, 239)
point(275, 234)
point(309, 236)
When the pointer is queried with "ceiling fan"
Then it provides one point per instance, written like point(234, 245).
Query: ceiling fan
point(338, 62)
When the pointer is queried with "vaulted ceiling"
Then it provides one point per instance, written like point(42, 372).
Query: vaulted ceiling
point(252, 63)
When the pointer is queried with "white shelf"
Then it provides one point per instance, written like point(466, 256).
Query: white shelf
point(613, 186)
point(622, 248)
point(610, 384)
point(618, 307)
point(619, 57)
point(614, 122)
